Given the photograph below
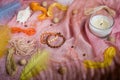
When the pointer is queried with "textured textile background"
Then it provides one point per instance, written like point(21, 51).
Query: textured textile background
point(75, 30)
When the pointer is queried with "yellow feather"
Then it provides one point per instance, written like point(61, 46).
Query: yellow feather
point(4, 38)
point(36, 64)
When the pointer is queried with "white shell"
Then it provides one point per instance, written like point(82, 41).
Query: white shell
point(23, 15)
point(64, 2)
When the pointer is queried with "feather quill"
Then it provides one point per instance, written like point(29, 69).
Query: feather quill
point(4, 38)
point(36, 64)
point(11, 66)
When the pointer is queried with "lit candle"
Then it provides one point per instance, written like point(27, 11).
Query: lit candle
point(101, 25)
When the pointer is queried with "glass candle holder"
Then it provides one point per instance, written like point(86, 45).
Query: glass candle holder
point(101, 25)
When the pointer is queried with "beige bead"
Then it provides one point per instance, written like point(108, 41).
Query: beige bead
point(56, 20)
point(44, 3)
point(23, 62)
point(54, 39)
point(74, 11)
point(112, 39)
point(62, 70)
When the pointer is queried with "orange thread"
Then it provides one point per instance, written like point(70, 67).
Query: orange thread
point(29, 31)
point(35, 6)
point(15, 30)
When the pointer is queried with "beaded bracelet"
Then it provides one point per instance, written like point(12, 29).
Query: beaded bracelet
point(44, 36)
point(54, 39)
point(55, 46)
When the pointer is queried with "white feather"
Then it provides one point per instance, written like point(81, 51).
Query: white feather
point(23, 15)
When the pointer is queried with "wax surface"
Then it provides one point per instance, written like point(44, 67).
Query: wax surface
point(101, 22)
point(101, 25)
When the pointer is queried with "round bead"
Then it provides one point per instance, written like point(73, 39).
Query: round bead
point(44, 3)
point(74, 11)
point(23, 62)
point(62, 70)
point(56, 20)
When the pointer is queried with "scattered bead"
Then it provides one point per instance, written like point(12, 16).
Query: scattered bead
point(84, 54)
point(25, 26)
point(56, 20)
point(72, 46)
point(112, 39)
point(44, 3)
point(74, 11)
point(51, 24)
point(23, 62)
point(62, 70)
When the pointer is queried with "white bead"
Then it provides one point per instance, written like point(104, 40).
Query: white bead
point(56, 20)
point(44, 3)
point(23, 62)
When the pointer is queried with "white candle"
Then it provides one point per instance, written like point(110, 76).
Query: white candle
point(65, 2)
point(101, 25)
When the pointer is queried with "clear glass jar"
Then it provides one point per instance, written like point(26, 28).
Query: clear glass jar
point(101, 24)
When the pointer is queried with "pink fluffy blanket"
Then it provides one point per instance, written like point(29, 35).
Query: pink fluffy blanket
point(80, 43)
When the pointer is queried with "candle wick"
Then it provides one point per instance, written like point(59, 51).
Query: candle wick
point(101, 23)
